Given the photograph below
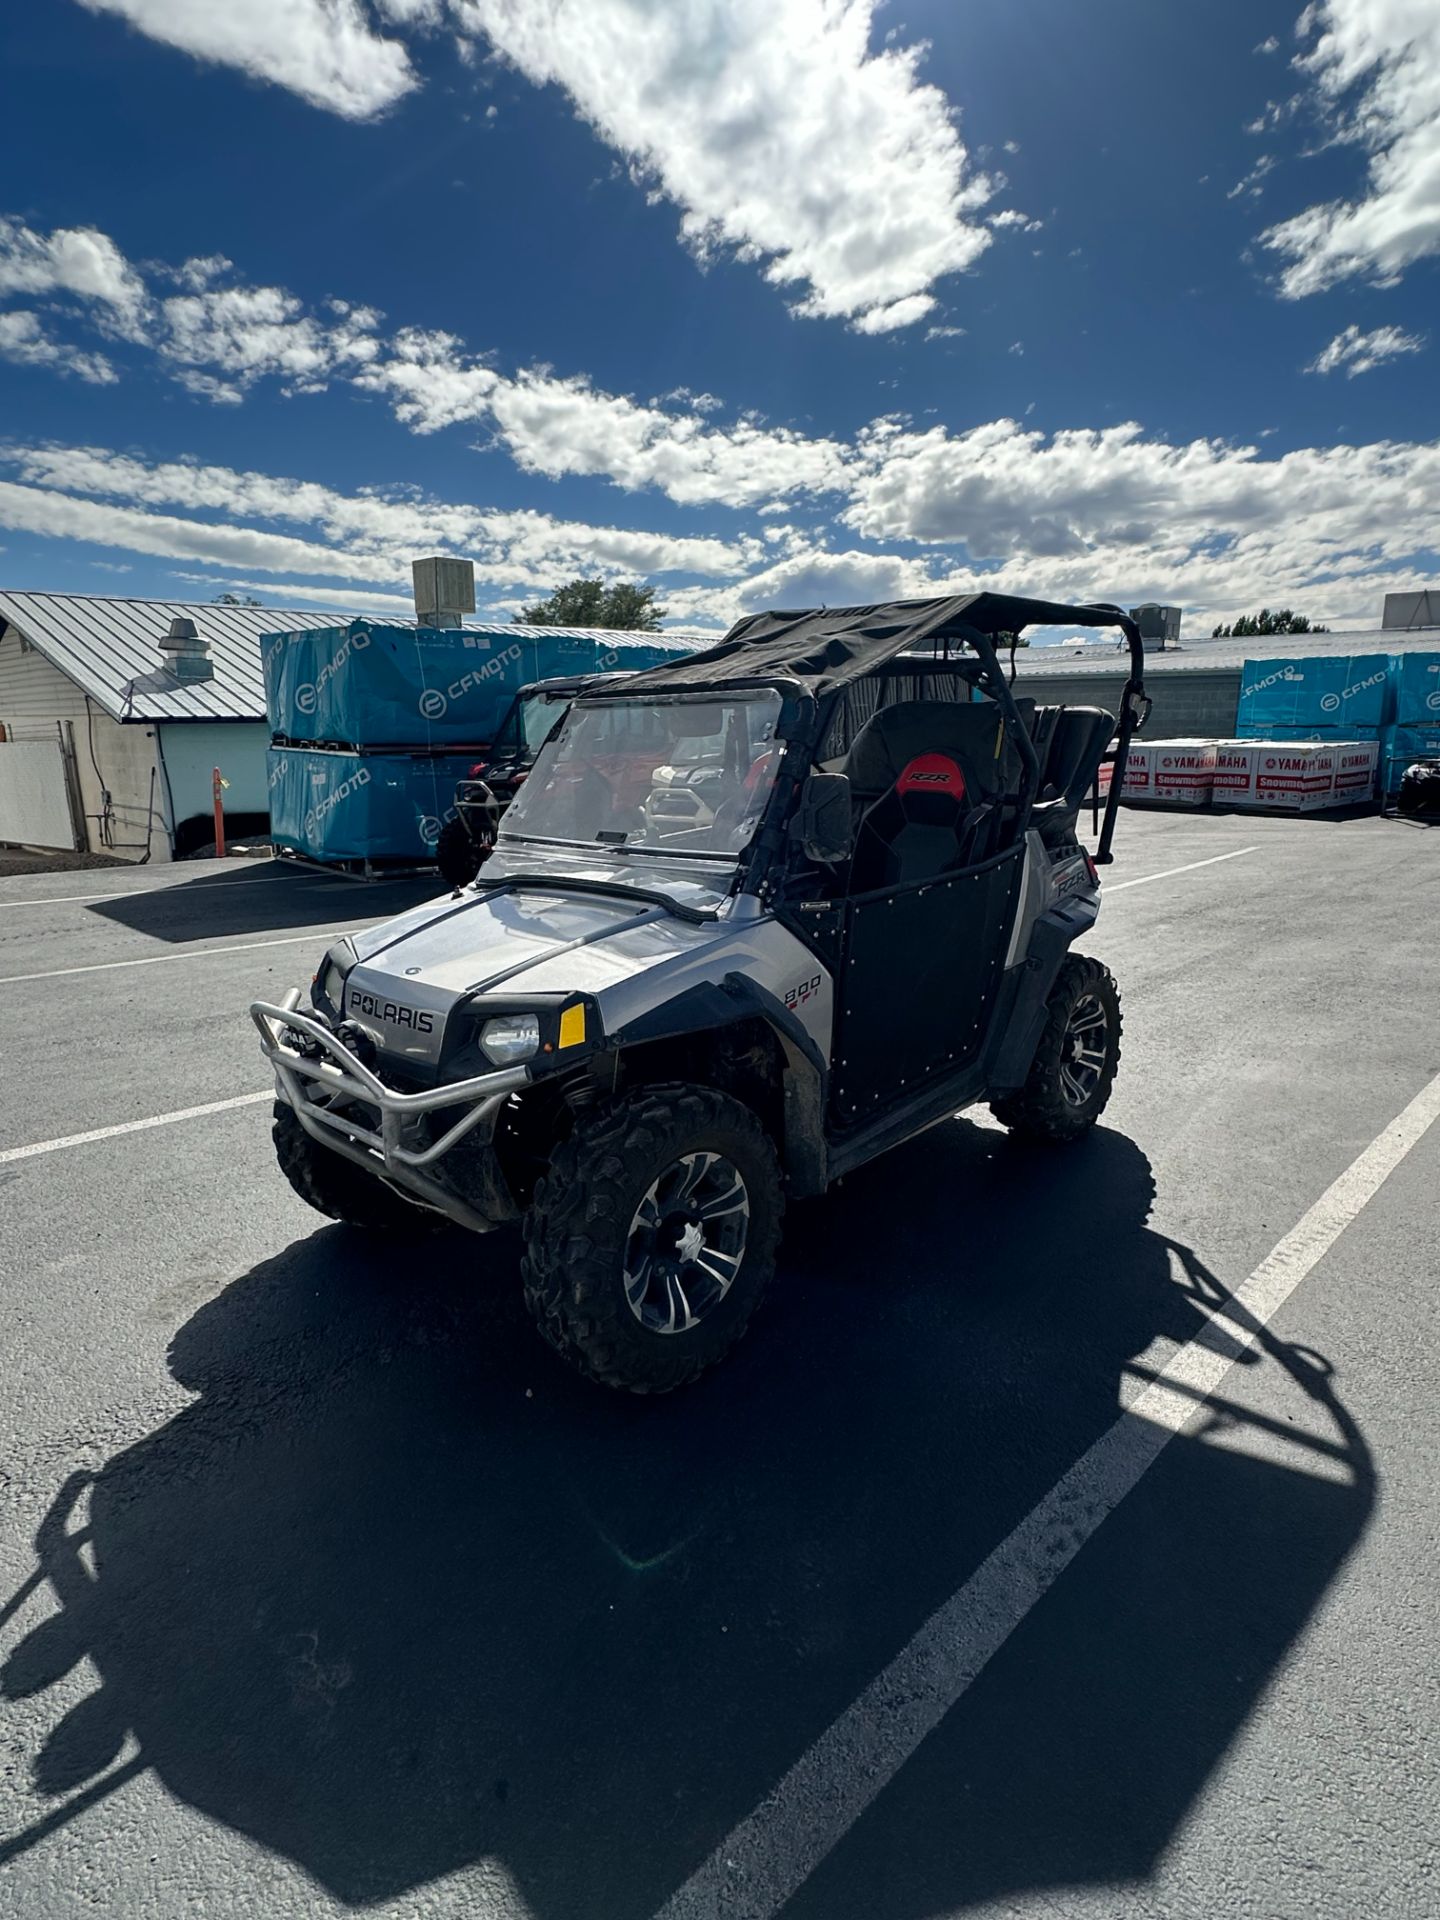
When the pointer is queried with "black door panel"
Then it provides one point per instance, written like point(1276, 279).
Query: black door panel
point(918, 983)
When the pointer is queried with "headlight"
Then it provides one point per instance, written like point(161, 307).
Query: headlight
point(510, 1038)
point(332, 982)
point(329, 982)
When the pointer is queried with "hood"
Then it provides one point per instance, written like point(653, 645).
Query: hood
point(484, 939)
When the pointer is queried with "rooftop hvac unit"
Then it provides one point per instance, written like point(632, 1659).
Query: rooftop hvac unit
point(444, 590)
point(1159, 626)
point(1404, 612)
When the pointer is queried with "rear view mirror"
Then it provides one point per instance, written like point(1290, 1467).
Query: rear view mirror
point(823, 819)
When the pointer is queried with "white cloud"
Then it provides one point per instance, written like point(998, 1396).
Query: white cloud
point(1270, 45)
point(72, 260)
point(1375, 68)
point(1114, 513)
point(776, 130)
point(367, 536)
point(555, 426)
point(1360, 352)
point(327, 51)
point(246, 332)
point(26, 343)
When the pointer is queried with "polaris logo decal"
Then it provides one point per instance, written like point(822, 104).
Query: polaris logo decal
point(807, 990)
point(307, 696)
point(417, 1019)
point(434, 702)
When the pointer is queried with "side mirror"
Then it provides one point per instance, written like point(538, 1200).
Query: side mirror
point(823, 821)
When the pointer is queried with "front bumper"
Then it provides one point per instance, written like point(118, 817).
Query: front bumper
point(325, 1086)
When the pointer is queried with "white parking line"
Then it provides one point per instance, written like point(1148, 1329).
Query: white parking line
point(316, 934)
point(183, 889)
point(754, 1871)
point(1170, 872)
point(134, 1126)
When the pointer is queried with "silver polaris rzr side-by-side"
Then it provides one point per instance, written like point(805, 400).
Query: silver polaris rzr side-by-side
point(754, 917)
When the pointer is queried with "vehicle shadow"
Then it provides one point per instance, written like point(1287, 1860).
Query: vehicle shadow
point(255, 897)
point(397, 1594)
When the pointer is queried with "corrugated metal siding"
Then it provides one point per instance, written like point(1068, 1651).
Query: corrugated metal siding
point(1184, 705)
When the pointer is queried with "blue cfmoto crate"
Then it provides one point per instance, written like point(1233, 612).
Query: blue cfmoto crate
point(1338, 692)
point(335, 806)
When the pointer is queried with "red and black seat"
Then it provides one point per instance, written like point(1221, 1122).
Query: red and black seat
point(927, 778)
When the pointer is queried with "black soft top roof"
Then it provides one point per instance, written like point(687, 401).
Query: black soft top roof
point(827, 647)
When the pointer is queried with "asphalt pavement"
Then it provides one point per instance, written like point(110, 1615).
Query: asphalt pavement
point(324, 1587)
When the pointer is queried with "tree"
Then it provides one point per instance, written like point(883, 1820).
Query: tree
point(590, 603)
point(236, 600)
point(1254, 626)
point(1004, 641)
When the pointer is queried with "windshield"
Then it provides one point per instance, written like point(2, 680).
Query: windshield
point(528, 724)
point(676, 775)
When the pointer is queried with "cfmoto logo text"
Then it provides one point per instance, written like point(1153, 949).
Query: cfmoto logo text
point(278, 772)
point(429, 829)
point(1271, 679)
point(324, 808)
point(307, 696)
point(1432, 701)
point(434, 702)
point(1329, 702)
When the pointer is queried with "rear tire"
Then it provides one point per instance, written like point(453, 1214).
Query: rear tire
point(663, 1206)
point(335, 1186)
point(456, 854)
point(1076, 1061)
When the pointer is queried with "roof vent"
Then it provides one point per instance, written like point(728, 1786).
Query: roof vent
point(185, 652)
point(444, 590)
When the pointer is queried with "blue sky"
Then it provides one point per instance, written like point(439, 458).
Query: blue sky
point(768, 301)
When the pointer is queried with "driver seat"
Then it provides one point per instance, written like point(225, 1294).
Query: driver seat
point(926, 775)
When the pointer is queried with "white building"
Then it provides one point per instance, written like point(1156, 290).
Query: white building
point(113, 720)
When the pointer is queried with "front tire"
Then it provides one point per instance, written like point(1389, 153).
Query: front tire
point(652, 1237)
point(335, 1186)
point(1076, 1061)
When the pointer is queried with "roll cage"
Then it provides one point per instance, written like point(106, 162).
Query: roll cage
point(812, 657)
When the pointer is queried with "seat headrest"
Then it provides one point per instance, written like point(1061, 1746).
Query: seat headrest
point(968, 733)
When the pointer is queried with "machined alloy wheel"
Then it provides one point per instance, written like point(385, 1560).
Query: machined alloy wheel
point(652, 1235)
point(687, 1242)
point(1076, 1061)
point(1085, 1050)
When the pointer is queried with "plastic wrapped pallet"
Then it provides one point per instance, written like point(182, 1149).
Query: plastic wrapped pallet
point(1276, 776)
point(1416, 678)
point(1342, 693)
point(369, 685)
point(337, 807)
point(1169, 773)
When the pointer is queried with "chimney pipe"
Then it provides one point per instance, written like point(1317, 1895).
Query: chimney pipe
point(444, 590)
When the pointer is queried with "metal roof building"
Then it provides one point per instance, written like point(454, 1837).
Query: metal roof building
point(112, 723)
point(1195, 687)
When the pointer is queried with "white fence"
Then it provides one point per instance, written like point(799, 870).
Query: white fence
point(37, 803)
